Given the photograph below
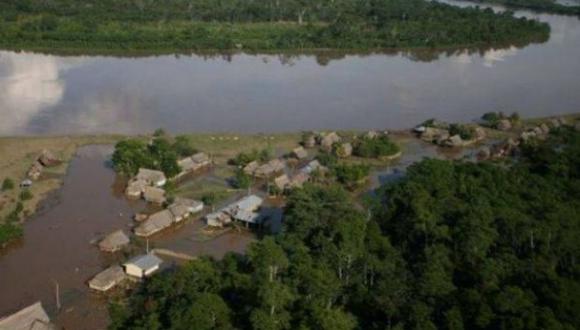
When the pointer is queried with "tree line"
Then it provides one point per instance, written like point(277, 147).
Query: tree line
point(452, 245)
point(256, 25)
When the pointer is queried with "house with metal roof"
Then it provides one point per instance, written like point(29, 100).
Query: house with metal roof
point(142, 266)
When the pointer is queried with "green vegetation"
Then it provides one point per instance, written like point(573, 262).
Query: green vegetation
point(453, 245)
point(177, 25)
point(492, 119)
point(244, 158)
point(377, 147)
point(548, 6)
point(351, 175)
point(242, 180)
point(132, 154)
point(7, 184)
point(25, 195)
point(183, 146)
point(464, 131)
point(8, 232)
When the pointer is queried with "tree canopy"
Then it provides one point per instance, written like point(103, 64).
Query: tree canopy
point(452, 245)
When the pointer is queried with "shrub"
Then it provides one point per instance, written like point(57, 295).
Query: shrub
point(466, 132)
point(26, 195)
point(374, 148)
point(351, 175)
point(7, 184)
point(242, 180)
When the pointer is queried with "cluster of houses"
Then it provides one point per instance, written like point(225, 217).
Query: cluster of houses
point(45, 159)
point(510, 145)
point(245, 210)
point(175, 213)
point(286, 182)
point(137, 268)
point(442, 136)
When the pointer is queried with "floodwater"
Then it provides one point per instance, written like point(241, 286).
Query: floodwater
point(49, 94)
point(56, 247)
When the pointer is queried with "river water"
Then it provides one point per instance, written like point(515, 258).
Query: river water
point(47, 94)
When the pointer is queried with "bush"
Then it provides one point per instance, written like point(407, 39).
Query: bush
point(242, 180)
point(375, 148)
point(7, 184)
point(26, 195)
point(327, 159)
point(183, 147)
point(465, 132)
point(351, 175)
point(8, 232)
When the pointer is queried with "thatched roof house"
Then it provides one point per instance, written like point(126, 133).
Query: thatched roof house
point(282, 182)
point(48, 159)
point(251, 167)
point(34, 171)
point(270, 168)
point(218, 219)
point(108, 278)
point(328, 140)
point(193, 163)
point(114, 241)
point(179, 211)
point(135, 188)
point(192, 205)
point(156, 222)
point(300, 153)
point(154, 195)
point(33, 317)
point(152, 177)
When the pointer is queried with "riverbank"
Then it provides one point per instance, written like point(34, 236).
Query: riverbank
point(343, 26)
point(542, 6)
point(18, 153)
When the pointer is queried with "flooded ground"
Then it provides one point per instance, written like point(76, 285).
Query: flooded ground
point(47, 94)
point(57, 248)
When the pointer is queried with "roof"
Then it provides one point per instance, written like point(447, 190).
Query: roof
point(33, 317)
point(275, 165)
point(251, 167)
point(192, 204)
point(248, 216)
point(329, 139)
point(282, 181)
point(178, 209)
point(145, 262)
point(107, 278)
point(186, 164)
point(151, 176)
point(200, 158)
point(136, 187)
point(249, 203)
point(300, 152)
point(114, 241)
point(155, 223)
point(154, 194)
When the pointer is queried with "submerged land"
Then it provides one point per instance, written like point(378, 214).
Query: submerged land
point(344, 242)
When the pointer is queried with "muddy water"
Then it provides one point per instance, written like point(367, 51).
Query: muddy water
point(56, 244)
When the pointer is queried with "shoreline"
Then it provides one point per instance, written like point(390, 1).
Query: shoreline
point(220, 145)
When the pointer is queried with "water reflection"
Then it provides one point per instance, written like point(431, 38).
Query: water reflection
point(49, 94)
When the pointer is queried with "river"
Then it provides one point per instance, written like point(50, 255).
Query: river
point(54, 95)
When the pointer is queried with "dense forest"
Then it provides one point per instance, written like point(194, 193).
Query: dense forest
point(548, 6)
point(173, 25)
point(452, 245)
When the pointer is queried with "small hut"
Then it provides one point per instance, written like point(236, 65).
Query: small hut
point(135, 188)
point(179, 211)
point(300, 153)
point(154, 195)
point(156, 222)
point(108, 279)
point(192, 205)
point(152, 177)
point(282, 182)
point(48, 159)
point(329, 140)
point(251, 167)
point(115, 241)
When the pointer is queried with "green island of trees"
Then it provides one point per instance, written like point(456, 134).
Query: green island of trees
point(452, 245)
point(548, 6)
point(200, 25)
